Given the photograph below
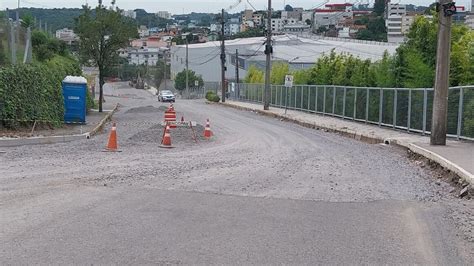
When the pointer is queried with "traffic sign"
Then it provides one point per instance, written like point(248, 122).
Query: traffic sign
point(288, 81)
point(196, 83)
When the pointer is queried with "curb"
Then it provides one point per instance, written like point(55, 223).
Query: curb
point(102, 122)
point(13, 142)
point(445, 163)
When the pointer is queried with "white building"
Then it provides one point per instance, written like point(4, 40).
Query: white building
point(143, 31)
point(129, 13)
point(332, 15)
point(65, 34)
point(277, 24)
point(142, 56)
point(470, 17)
point(164, 14)
point(234, 28)
point(397, 21)
point(296, 27)
point(299, 52)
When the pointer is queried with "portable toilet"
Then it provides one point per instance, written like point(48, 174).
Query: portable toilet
point(75, 103)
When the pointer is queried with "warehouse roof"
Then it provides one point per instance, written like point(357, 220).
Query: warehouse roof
point(296, 49)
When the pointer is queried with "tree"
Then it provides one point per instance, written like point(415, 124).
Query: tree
point(308, 21)
point(27, 21)
point(254, 75)
point(379, 7)
point(101, 36)
point(159, 72)
point(288, 8)
point(279, 71)
point(180, 80)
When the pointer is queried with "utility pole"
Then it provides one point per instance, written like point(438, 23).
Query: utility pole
point(440, 101)
point(223, 57)
point(268, 52)
point(237, 87)
point(12, 43)
point(187, 68)
point(18, 23)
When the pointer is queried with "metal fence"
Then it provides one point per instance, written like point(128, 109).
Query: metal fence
point(400, 108)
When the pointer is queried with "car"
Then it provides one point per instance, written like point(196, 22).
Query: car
point(166, 96)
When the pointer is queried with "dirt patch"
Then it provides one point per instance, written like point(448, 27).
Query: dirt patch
point(146, 109)
point(179, 136)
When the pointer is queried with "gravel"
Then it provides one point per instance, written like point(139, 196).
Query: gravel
point(248, 156)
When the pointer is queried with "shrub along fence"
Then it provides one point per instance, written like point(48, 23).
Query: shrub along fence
point(33, 93)
point(401, 108)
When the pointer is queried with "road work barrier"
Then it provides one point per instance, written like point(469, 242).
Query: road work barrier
point(112, 144)
point(207, 130)
point(166, 139)
point(170, 116)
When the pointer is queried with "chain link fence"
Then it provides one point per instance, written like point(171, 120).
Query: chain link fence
point(400, 108)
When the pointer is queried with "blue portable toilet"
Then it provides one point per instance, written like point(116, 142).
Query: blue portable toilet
point(75, 104)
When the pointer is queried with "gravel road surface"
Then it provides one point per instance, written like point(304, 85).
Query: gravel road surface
point(261, 191)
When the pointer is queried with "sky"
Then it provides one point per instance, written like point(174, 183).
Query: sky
point(187, 6)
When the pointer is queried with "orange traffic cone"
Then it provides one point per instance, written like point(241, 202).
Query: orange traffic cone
point(207, 130)
point(112, 143)
point(166, 141)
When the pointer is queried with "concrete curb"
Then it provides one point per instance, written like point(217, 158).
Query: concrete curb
point(104, 120)
point(12, 142)
point(445, 163)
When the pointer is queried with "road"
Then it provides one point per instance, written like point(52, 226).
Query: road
point(262, 191)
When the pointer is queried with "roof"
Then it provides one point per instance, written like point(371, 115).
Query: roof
point(339, 5)
point(302, 50)
point(75, 80)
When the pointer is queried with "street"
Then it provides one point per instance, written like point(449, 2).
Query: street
point(261, 191)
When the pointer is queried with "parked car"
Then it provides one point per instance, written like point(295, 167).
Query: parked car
point(166, 96)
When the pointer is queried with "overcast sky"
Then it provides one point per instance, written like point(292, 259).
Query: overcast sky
point(178, 6)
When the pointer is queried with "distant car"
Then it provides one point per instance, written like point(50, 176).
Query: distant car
point(166, 96)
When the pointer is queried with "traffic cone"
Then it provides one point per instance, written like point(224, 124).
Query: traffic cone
point(112, 143)
point(207, 130)
point(166, 141)
point(171, 108)
point(182, 118)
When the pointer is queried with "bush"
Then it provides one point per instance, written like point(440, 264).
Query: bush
point(33, 92)
point(212, 97)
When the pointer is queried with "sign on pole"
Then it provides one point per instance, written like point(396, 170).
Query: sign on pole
point(288, 81)
point(196, 83)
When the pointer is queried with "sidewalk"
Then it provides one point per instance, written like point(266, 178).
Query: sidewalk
point(456, 156)
point(66, 133)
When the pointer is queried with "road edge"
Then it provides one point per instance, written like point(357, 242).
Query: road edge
point(13, 142)
point(443, 162)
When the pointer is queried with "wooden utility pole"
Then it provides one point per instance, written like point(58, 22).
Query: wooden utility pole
point(268, 52)
point(223, 57)
point(237, 89)
point(440, 101)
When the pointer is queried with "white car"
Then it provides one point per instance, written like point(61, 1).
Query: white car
point(166, 96)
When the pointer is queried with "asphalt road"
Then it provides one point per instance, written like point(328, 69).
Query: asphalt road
point(262, 191)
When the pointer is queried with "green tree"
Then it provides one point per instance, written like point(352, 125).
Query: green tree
point(27, 21)
point(159, 72)
point(180, 80)
point(101, 36)
point(379, 7)
point(254, 75)
point(278, 73)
